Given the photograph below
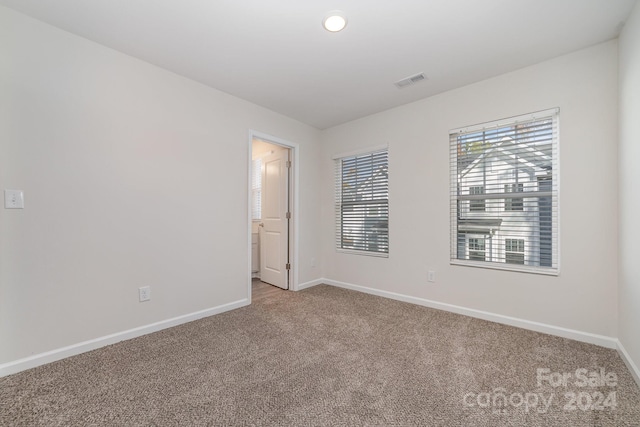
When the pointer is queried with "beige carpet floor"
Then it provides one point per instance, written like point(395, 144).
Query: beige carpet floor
point(330, 357)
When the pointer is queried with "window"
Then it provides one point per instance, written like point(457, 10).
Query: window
point(476, 205)
point(495, 160)
point(256, 189)
point(513, 203)
point(514, 251)
point(362, 203)
point(477, 249)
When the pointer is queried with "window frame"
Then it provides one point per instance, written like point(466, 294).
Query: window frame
point(340, 204)
point(477, 205)
point(546, 197)
point(511, 203)
point(508, 250)
point(477, 250)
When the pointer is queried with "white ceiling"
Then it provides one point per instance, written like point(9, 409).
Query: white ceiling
point(276, 53)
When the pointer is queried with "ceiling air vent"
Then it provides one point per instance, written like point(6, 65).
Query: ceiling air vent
point(410, 80)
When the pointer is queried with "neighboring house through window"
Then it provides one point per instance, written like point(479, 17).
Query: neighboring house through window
point(362, 203)
point(513, 165)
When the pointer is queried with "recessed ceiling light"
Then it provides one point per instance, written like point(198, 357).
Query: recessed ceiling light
point(334, 21)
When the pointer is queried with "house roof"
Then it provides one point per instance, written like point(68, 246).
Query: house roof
point(479, 225)
point(536, 162)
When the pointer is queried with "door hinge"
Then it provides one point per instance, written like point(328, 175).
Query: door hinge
point(288, 163)
point(288, 215)
point(288, 266)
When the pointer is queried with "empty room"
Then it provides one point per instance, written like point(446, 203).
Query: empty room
point(319, 213)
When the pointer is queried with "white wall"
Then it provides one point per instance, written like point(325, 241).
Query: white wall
point(584, 296)
point(132, 176)
point(629, 184)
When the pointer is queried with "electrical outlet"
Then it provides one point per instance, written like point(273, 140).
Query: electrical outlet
point(144, 293)
point(431, 276)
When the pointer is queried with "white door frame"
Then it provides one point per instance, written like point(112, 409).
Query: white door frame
point(293, 202)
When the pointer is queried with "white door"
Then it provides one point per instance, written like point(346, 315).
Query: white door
point(274, 228)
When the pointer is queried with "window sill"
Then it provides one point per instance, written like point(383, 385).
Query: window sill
point(365, 253)
point(545, 271)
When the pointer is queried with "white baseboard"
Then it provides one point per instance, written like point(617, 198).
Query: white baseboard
point(587, 337)
point(309, 284)
point(633, 368)
point(74, 349)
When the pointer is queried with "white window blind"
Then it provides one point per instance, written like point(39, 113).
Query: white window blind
point(504, 194)
point(256, 189)
point(362, 203)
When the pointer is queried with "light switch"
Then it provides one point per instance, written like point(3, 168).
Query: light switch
point(13, 199)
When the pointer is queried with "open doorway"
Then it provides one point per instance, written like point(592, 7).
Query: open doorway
point(272, 206)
